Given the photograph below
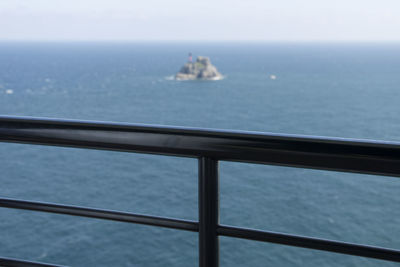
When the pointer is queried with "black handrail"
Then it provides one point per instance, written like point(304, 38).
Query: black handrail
point(339, 154)
point(9, 262)
point(100, 214)
point(209, 146)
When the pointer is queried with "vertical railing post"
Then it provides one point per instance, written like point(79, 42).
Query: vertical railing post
point(208, 212)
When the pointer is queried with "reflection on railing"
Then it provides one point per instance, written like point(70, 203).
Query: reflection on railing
point(209, 147)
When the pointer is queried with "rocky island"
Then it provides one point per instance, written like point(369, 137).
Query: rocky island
point(202, 69)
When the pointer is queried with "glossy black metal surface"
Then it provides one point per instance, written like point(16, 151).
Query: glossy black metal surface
point(209, 146)
point(364, 156)
point(99, 214)
point(208, 212)
point(9, 262)
point(313, 243)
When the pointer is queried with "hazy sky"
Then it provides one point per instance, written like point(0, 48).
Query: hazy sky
point(279, 20)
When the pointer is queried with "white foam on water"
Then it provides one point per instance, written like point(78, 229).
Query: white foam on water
point(9, 91)
point(218, 78)
point(43, 255)
point(170, 78)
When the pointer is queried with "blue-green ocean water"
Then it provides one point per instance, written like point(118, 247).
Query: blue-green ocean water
point(344, 90)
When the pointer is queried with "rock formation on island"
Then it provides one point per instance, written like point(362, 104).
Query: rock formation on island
point(202, 69)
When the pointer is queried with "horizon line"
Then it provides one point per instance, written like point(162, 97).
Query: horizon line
point(190, 41)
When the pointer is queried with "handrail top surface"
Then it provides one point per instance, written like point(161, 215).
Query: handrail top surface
point(313, 152)
point(198, 131)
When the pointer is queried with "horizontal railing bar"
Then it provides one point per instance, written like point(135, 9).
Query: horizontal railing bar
point(339, 154)
point(100, 214)
point(311, 243)
point(9, 262)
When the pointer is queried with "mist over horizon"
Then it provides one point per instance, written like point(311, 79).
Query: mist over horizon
point(177, 20)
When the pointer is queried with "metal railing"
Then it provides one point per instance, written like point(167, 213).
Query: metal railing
point(209, 147)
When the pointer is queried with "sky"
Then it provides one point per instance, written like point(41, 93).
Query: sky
point(200, 20)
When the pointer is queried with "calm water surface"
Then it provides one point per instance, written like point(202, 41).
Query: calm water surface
point(345, 90)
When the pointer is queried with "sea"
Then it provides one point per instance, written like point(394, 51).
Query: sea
point(324, 89)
